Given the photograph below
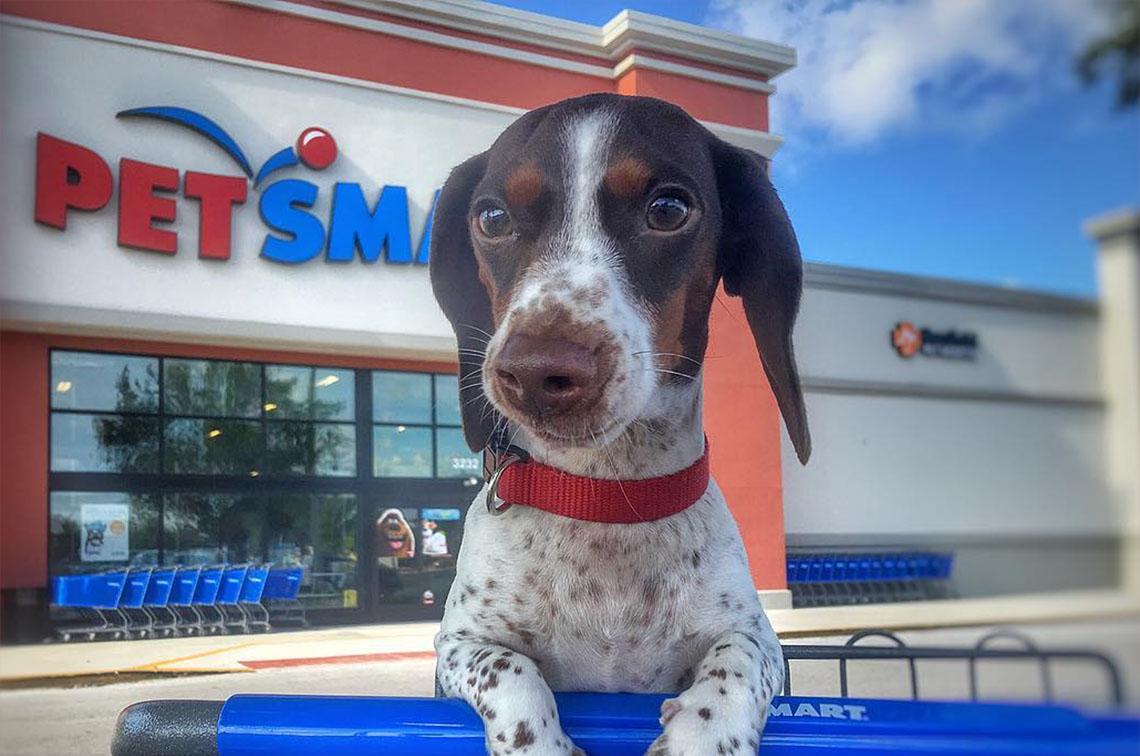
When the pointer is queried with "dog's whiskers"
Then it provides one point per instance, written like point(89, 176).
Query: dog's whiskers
point(663, 371)
point(617, 475)
point(669, 354)
point(475, 328)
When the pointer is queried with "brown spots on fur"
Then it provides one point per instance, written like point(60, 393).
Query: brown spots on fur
point(704, 713)
point(524, 185)
point(524, 736)
point(628, 177)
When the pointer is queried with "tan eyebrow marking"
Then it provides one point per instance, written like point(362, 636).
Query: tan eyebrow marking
point(524, 184)
point(628, 177)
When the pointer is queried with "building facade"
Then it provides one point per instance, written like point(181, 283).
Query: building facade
point(219, 341)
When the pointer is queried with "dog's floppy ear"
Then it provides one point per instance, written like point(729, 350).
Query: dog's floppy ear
point(759, 261)
point(455, 281)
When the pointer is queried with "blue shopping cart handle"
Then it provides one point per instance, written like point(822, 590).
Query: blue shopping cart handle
point(604, 725)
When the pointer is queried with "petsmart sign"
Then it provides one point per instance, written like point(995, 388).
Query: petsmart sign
point(71, 177)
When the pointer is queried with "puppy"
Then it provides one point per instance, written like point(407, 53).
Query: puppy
point(577, 260)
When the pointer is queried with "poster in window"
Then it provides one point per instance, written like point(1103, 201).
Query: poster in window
point(105, 532)
point(394, 537)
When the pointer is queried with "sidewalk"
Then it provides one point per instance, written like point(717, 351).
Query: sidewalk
point(1117, 633)
point(224, 653)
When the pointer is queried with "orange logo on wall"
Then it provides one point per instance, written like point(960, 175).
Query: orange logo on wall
point(906, 338)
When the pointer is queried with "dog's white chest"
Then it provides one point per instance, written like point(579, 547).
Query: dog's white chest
point(602, 607)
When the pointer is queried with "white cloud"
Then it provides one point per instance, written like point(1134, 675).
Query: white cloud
point(870, 67)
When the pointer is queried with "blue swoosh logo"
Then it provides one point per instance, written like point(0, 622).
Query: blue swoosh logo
point(195, 122)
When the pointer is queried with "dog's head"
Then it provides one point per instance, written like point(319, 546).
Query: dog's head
point(577, 260)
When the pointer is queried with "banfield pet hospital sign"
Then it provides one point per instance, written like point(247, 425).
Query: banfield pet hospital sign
point(72, 177)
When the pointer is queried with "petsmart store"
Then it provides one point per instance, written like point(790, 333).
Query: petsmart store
point(219, 342)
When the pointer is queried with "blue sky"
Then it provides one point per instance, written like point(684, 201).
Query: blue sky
point(935, 137)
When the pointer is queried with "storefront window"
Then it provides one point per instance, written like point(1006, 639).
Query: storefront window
point(447, 400)
point(306, 393)
point(404, 442)
point(226, 462)
point(325, 449)
point(400, 451)
point(219, 447)
point(211, 387)
point(202, 529)
point(97, 531)
point(452, 457)
point(216, 420)
point(401, 398)
point(103, 443)
point(103, 382)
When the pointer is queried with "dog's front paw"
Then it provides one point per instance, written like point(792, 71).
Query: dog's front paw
point(531, 739)
point(695, 727)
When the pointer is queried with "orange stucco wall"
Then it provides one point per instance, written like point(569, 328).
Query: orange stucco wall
point(743, 426)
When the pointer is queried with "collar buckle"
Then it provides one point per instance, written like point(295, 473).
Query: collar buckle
point(512, 455)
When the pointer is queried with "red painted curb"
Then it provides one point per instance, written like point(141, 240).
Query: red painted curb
point(349, 659)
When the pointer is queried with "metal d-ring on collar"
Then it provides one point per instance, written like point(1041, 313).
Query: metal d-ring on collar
point(503, 460)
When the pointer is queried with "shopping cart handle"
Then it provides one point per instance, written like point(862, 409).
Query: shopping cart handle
point(166, 728)
point(604, 725)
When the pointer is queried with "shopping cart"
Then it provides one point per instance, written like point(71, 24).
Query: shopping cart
point(163, 619)
point(625, 724)
point(282, 587)
point(138, 621)
point(97, 597)
point(252, 592)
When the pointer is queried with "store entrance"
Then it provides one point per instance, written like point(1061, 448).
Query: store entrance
point(412, 530)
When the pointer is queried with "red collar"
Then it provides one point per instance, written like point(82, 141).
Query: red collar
point(540, 486)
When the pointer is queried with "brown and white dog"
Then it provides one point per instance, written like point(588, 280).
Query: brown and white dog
point(577, 260)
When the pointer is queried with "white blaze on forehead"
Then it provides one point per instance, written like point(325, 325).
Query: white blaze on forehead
point(587, 139)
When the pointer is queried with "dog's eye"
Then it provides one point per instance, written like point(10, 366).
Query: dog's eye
point(494, 222)
point(667, 213)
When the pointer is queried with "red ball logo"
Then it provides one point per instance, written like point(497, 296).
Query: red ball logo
point(316, 148)
point(906, 338)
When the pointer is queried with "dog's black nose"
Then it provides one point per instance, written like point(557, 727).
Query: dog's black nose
point(545, 375)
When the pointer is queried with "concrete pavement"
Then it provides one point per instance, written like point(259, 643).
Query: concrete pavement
point(80, 721)
point(217, 653)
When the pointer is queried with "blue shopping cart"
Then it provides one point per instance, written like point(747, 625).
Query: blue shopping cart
point(832, 579)
point(282, 587)
point(609, 725)
point(624, 724)
point(204, 603)
point(132, 600)
point(249, 600)
point(186, 618)
point(96, 596)
point(229, 594)
point(156, 602)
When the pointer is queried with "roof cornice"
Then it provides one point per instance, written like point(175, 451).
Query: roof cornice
point(628, 30)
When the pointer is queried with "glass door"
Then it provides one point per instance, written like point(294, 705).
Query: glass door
point(413, 533)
